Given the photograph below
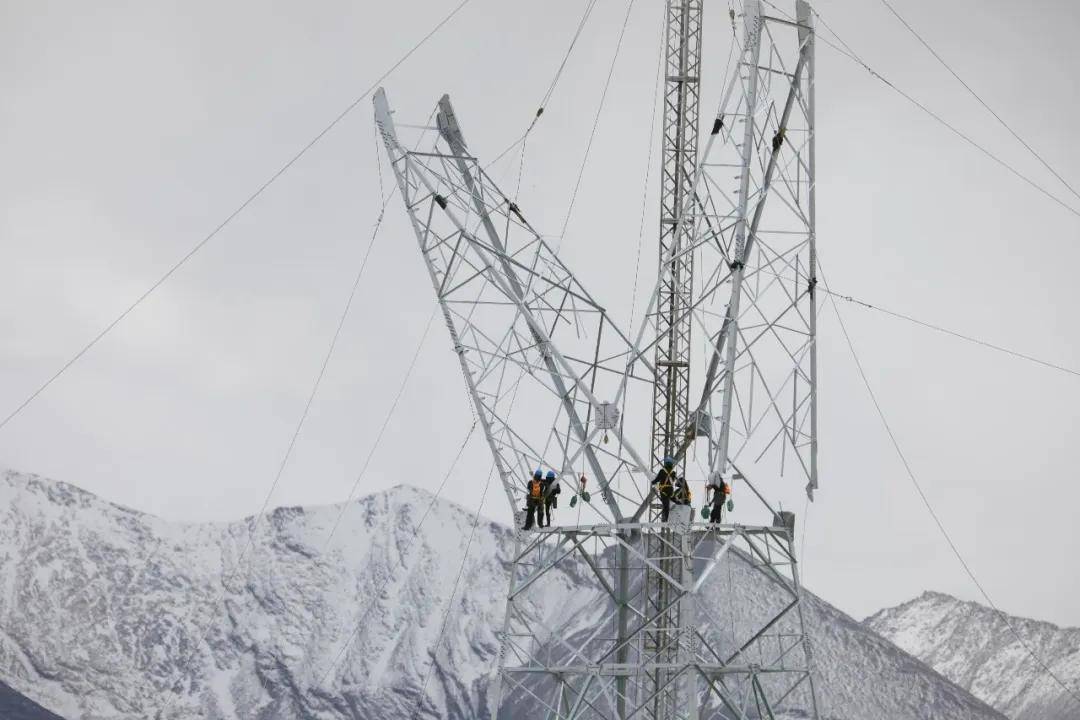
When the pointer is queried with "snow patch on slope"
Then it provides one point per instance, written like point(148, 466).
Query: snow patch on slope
point(972, 645)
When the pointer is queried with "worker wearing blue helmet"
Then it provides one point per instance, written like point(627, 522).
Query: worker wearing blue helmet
point(551, 490)
point(664, 484)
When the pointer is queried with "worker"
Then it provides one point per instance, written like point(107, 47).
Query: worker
point(720, 491)
point(664, 483)
point(534, 498)
point(682, 491)
point(551, 490)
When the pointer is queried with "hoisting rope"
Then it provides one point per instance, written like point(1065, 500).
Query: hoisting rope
point(230, 217)
point(930, 509)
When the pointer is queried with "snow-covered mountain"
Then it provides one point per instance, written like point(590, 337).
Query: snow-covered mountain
point(972, 645)
point(109, 613)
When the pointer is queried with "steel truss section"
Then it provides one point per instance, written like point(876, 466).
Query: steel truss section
point(538, 353)
point(745, 648)
point(751, 234)
point(681, 102)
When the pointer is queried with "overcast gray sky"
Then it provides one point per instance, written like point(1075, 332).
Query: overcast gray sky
point(129, 130)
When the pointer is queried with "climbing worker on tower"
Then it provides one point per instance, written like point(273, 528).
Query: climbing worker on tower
point(720, 491)
point(550, 500)
point(665, 486)
point(534, 498)
point(682, 491)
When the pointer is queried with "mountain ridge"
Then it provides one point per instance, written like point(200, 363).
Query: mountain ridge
point(111, 613)
point(973, 646)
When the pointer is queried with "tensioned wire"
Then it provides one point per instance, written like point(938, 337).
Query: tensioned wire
point(936, 327)
point(596, 121)
point(982, 102)
point(551, 87)
point(229, 218)
point(450, 599)
point(522, 141)
point(847, 52)
point(296, 432)
point(930, 509)
point(953, 333)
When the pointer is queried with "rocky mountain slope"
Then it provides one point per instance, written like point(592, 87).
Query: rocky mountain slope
point(972, 645)
point(109, 613)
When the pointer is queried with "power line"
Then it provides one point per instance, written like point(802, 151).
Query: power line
point(953, 333)
point(851, 55)
point(520, 141)
point(596, 120)
point(933, 514)
point(982, 102)
point(551, 86)
point(450, 600)
point(382, 429)
point(221, 226)
point(416, 531)
point(292, 440)
point(562, 65)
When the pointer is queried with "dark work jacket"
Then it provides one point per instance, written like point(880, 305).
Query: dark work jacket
point(665, 482)
point(720, 492)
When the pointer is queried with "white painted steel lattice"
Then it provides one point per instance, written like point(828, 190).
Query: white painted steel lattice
point(725, 355)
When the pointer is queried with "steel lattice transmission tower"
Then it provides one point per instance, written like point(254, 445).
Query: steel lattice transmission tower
point(684, 619)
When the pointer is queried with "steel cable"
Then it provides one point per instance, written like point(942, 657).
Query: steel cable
point(416, 531)
point(933, 514)
point(221, 226)
point(450, 599)
point(851, 55)
point(596, 121)
point(982, 102)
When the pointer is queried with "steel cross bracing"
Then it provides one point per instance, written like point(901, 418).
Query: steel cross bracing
point(744, 654)
point(547, 369)
point(507, 298)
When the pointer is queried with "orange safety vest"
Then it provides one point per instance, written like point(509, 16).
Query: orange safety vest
point(536, 489)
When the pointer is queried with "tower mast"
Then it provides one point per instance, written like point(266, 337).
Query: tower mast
point(671, 389)
point(682, 79)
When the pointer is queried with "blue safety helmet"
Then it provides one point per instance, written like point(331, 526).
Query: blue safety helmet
point(538, 474)
point(551, 475)
point(669, 462)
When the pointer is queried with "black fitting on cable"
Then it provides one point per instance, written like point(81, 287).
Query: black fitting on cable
point(718, 125)
point(440, 201)
point(540, 111)
point(811, 285)
point(736, 265)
